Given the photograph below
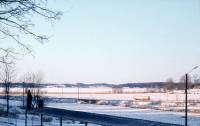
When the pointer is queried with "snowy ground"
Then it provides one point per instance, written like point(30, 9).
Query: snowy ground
point(20, 122)
point(102, 107)
point(102, 90)
point(153, 96)
point(176, 95)
point(75, 89)
point(153, 115)
point(114, 104)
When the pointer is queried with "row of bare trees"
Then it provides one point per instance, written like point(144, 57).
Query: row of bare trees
point(171, 85)
point(8, 77)
point(117, 89)
point(33, 82)
point(196, 80)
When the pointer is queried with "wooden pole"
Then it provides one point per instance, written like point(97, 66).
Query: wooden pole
point(26, 118)
point(41, 119)
point(60, 121)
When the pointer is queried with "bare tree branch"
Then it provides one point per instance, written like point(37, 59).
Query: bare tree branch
point(14, 21)
point(7, 76)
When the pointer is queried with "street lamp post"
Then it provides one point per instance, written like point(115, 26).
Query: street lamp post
point(23, 94)
point(186, 95)
point(186, 100)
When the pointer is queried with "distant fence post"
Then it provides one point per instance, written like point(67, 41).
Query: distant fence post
point(26, 118)
point(41, 119)
point(167, 96)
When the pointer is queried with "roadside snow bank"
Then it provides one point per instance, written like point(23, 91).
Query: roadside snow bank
point(126, 103)
point(59, 100)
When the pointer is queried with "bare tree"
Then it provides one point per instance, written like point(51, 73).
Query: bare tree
point(198, 84)
point(30, 84)
point(39, 89)
point(169, 84)
point(159, 85)
point(15, 20)
point(182, 83)
point(33, 82)
point(196, 80)
point(27, 79)
point(7, 76)
point(117, 89)
point(148, 89)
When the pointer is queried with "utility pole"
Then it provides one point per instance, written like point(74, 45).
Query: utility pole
point(167, 96)
point(26, 117)
point(78, 92)
point(23, 94)
point(186, 95)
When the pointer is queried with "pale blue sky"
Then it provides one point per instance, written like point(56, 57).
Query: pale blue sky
point(107, 41)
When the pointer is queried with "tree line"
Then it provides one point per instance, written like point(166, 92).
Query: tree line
point(192, 82)
point(8, 76)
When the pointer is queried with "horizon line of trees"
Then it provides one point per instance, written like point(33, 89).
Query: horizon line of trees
point(171, 85)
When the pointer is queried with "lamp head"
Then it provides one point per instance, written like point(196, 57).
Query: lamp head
point(195, 67)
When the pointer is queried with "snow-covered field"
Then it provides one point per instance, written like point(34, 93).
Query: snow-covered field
point(91, 90)
point(153, 115)
point(88, 90)
point(95, 93)
point(74, 104)
point(15, 107)
point(116, 104)
point(100, 89)
point(153, 96)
